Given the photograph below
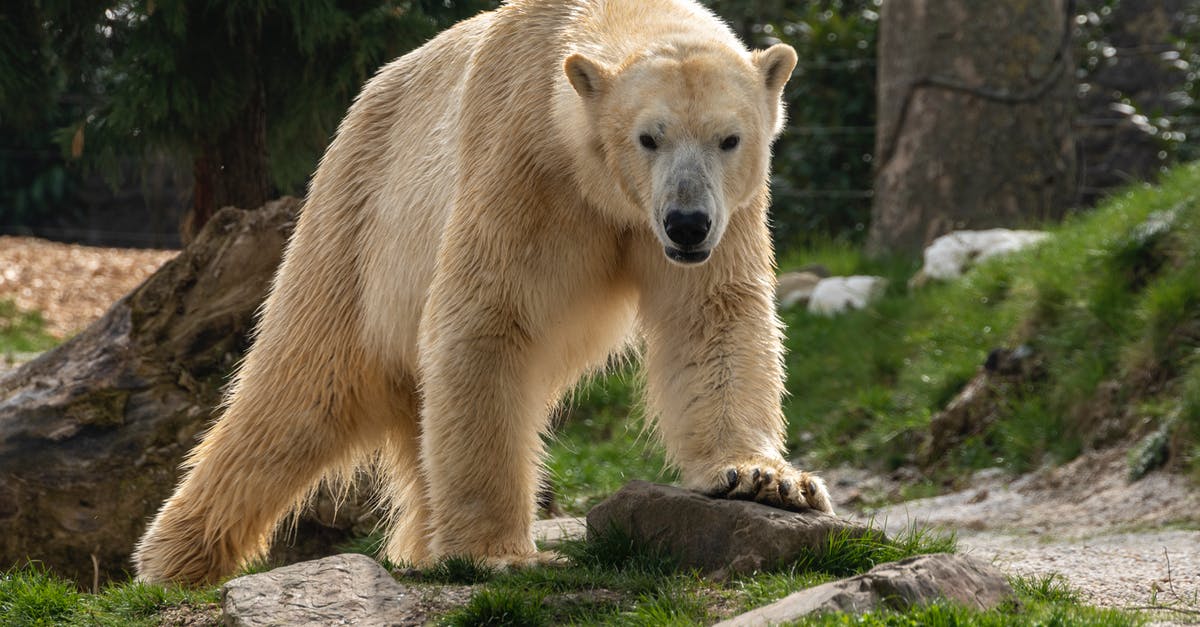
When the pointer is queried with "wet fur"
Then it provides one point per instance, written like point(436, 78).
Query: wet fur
point(478, 237)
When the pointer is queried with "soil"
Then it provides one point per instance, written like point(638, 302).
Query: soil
point(191, 615)
point(1118, 543)
point(69, 284)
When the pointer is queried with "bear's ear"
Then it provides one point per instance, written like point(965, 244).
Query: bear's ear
point(775, 64)
point(587, 77)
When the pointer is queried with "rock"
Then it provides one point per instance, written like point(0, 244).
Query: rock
point(347, 589)
point(795, 288)
point(951, 255)
point(718, 536)
point(837, 294)
point(911, 582)
point(552, 532)
point(92, 433)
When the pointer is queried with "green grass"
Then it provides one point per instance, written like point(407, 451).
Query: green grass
point(1112, 298)
point(846, 554)
point(22, 332)
point(611, 579)
point(950, 615)
point(33, 596)
point(602, 443)
point(1040, 600)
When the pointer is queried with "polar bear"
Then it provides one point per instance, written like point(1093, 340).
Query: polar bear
point(502, 209)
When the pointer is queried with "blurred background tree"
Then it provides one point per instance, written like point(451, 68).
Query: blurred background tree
point(246, 93)
point(823, 162)
point(976, 106)
point(155, 94)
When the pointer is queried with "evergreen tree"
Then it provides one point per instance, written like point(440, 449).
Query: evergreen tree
point(249, 91)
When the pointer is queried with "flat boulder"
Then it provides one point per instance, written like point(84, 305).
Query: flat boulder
point(346, 589)
point(911, 582)
point(720, 537)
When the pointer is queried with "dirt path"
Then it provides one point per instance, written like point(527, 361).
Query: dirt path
point(1119, 544)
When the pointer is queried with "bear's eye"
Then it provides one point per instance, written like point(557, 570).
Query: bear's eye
point(729, 143)
point(647, 142)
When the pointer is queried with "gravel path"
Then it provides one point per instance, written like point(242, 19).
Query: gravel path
point(1119, 544)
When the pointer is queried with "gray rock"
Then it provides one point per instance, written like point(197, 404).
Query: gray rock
point(718, 536)
point(911, 582)
point(347, 589)
point(552, 532)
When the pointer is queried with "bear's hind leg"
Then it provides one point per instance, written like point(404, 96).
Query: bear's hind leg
point(402, 490)
point(275, 441)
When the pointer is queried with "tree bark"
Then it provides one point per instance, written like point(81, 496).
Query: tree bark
point(92, 432)
point(232, 168)
point(974, 125)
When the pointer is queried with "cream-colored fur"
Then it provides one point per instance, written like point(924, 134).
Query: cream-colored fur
point(484, 230)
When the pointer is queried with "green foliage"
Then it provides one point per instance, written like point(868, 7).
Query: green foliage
point(764, 588)
point(609, 579)
point(500, 606)
point(1113, 298)
point(1098, 49)
point(460, 570)
point(1051, 588)
point(311, 57)
point(33, 596)
point(602, 442)
point(847, 554)
point(111, 83)
point(615, 549)
point(21, 332)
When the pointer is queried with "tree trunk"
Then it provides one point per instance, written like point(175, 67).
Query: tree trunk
point(92, 432)
point(232, 169)
point(975, 108)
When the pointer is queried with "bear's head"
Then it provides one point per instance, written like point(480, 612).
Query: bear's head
point(685, 132)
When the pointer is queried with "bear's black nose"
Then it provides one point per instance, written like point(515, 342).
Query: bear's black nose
point(687, 229)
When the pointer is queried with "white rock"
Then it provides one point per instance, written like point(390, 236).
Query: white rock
point(951, 255)
point(842, 293)
point(795, 288)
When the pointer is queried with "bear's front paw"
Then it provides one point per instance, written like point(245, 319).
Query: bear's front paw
point(771, 482)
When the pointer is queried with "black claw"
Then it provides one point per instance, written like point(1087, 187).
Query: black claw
point(732, 478)
point(767, 477)
point(785, 487)
point(757, 474)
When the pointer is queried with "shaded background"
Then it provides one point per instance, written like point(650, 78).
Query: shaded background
point(129, 123)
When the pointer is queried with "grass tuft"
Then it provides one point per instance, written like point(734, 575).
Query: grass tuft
point(458, 570)
point(33, 596)
point(849, 553)
point(501, 606)
point(1049, 588)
